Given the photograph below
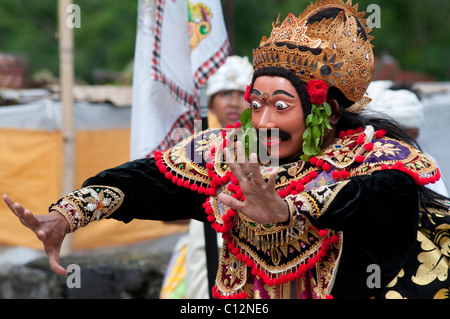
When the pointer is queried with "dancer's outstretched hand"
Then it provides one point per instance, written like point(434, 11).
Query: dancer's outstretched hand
point(50, 229)
point(262, 203)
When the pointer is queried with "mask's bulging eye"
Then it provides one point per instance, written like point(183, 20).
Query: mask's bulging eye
point(281, 105)
point(256, 105)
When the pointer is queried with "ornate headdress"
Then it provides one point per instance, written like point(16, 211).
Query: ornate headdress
point(345, 60)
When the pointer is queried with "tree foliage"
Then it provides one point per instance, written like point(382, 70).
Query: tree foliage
point(105, 39)
point(414, 32)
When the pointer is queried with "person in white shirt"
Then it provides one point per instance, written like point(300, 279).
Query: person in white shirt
point(403, 105)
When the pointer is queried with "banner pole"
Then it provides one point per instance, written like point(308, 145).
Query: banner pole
point(66, 75)
point(211, 249)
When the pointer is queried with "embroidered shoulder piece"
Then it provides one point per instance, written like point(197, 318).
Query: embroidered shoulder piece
point(316, 201)
point(88, 204)
point(362, 152)
point(186, 164)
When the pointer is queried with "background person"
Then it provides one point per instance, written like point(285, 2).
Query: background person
point(404, 105)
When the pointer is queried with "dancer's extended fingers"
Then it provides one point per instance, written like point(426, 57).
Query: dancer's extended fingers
point(231, 202)
point(25, 216)
point(10, 204)
point(29, 218)
point(240, 152)
point(254, 168)
point(272, 180)
point(242, 158)
point(229, 158)
point(235, 167)
point(53, 260)
point(52, 251)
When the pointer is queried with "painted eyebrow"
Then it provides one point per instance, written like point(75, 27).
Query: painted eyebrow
point(282, 92)
point(256, 92)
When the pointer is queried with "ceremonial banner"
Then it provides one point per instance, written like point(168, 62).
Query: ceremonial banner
point(179, 44)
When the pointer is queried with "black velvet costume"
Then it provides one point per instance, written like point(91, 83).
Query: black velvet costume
point(362, 195)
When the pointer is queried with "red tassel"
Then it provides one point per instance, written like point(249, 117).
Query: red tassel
point(235, 251)
point(319, 163)
point(323, 233)
point(313, 175)
point(243, 295)
point(311, 263)
point(359, 159)
point(334, 239)
point(336, 175)
point(168, 175)
point(368, 147)
point(300, 187)
point(361, 139)
point(398, 165)
point(326, 167)
point(380, 133)
point(211, 174)
point(345, 174)
point(268, 281)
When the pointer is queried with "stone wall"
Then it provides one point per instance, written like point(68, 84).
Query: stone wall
point(111, 276)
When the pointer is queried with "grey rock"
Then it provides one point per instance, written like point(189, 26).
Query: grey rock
point(111, 276)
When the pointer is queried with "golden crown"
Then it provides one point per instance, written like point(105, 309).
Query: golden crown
point(346, 60)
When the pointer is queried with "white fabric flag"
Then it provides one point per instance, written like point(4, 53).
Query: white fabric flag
point(179, 44)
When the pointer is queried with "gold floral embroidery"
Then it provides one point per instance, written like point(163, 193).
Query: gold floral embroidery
point(342, 152)
point(442, 294)
point(401, 274)
point(433, 264)
point(392, 294)
point(88, 204)
point(381, 149)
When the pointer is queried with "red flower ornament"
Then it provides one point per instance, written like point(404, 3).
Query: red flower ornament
point(317, 90)
point(247, 93)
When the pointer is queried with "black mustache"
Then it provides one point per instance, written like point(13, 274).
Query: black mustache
point(284, 136)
